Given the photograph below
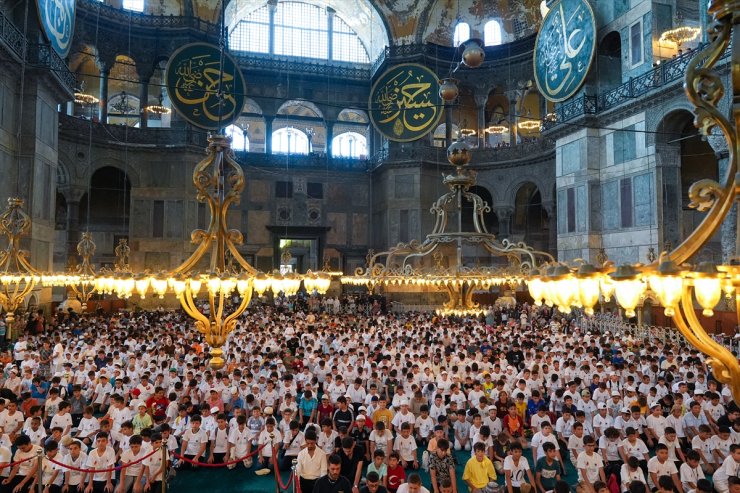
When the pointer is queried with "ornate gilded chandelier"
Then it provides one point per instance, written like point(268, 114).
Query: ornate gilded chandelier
point(403, 265)
point(17, 276)
point(678, 285)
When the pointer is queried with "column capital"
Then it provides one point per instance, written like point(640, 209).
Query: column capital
point(480, 99)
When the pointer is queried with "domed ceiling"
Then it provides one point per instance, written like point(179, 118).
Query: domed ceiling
point(381, 22)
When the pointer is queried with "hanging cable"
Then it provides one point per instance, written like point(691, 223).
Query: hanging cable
point(19, 133)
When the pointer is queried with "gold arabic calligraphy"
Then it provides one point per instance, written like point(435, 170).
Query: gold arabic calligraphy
point(406, 99)
point(560, 54)
point(197, 87)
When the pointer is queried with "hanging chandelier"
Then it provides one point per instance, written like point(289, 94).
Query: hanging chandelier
point(529, 124)
point(159, 109)
point(497, 129)
point(421, 264)
point(681, 33)
point(17, 276)
point(677, 285)
point(81, 97)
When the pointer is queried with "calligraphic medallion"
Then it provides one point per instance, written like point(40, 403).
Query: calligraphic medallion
point(192, 80)
point(404, 103)
point(564, 49)
point(57, 19)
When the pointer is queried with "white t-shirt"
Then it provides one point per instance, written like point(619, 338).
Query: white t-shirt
point(405, 447)
point(538, 440)
point(628, 476)
point(106, 460)
point(381, 441)
point(128, 456)
point(75, 476)
point(638, 449)
point(195, 439)
point(690, 475)
point(660, 469)
point(404, 488)
point(592, 464)
point(518, 471)
point(6, 456)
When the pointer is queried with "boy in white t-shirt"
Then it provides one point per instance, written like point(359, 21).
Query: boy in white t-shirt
point(194, 441)
point(101, 457)
point(405, 445)
point(269, 437)
point(590, 467)
point(133, 473)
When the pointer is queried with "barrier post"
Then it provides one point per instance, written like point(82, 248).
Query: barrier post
point(293, 473)
point(39, 471)
point(165, 468)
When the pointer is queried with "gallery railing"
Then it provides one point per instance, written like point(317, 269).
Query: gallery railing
point(662, 75)
point(302, 66)
point(110, 13)
point(530, 150)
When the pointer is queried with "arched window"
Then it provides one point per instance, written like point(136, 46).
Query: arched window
point(300, 30)
point(239, 138)
point(289, 140)
point(349, 144)
point(135, 5)
point(462, 33)
point(492, 33)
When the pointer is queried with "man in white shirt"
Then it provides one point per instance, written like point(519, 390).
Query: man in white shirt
point(311, 464)
point(101, 457)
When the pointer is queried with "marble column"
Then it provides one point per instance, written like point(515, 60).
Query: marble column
point(143, 102)
point(104, 73)
point(268, 134)
point(480, 104)
point(272, 8)
point(504, 220)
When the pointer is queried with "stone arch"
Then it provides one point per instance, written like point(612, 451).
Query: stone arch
point(511, 191)
point(529, 221)
point(300, 107)
point(490, 218)
point(350, 115)
point(657, 116)
point(610, 60)
point(678, 140)
point(109, 197)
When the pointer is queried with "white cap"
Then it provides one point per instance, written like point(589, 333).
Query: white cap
point(214, 409)
point(601, 405)
point(615, 393)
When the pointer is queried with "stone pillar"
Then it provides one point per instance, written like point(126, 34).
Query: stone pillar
point(729, 229)
point(330, 27)
point(143, 102)
point(329, 137)
point(512, 118)
point(272, 7)
point(504, 220)
point(552, 221)
point(268, 134)
point(480, 104)
point(103, 115)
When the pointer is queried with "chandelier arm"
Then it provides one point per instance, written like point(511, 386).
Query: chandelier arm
point(468, 302)
point(240, 260)
point(205, 238)
point(704, 89)
point(724, 365)
point(230, 321)
point(424, 250)
point(188, 304)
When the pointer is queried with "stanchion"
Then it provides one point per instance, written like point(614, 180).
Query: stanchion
point(293, 473)
point(39, 471)
point(165, 468)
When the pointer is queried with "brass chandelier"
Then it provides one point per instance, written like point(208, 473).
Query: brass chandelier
point(403, 265)
point(677, 285)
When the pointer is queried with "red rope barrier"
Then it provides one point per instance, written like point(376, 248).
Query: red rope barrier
point(110, 469)
point(281, 485)
point(13, 464)
point(223, 464)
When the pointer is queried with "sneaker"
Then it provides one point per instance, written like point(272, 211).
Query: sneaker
point(262, 472)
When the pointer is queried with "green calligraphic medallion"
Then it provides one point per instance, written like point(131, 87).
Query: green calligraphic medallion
point(57, 19)
point(404, 103)
point(564, 49)
point(192, 79)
